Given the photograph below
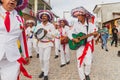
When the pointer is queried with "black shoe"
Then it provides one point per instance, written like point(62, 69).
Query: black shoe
point(106, 50)
point(111, 44)
point(87, 77)
point(45, 77)
point(37, 55)
point(30, 56)
point(58, 50)
point(56, 56)
point(115, 45)
point(62, 65)
point(118, 54)
point(68, 62)
point(102, 47)
point(41, 75)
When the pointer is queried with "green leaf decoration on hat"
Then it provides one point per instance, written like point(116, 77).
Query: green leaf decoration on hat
point(20, 13)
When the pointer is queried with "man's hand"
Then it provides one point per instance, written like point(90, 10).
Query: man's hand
point(75, 40)
point(95, 34)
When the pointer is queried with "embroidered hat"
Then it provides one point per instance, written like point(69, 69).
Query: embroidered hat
point(80, 11)
point(47, 12)
point(21, 4)
point(30, 21)
point(64, 20)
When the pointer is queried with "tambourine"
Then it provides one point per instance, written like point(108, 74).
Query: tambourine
point(41, 33)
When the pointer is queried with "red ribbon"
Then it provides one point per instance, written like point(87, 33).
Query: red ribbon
point(22, 69)
point(64, 45)
point(20, 19)
point(92, 46)
point(25, 41)
point(81, 58)
point(22, 60)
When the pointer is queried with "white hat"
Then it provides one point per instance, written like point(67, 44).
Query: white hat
point(80, 11)
point(47, 12)
point(30, 21)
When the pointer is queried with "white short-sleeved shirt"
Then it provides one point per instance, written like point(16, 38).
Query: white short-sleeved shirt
point(65, 31)
point(28, 31)
point(50, 31)
point(79, 27)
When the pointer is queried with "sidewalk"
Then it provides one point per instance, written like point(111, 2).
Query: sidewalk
point(106, 66)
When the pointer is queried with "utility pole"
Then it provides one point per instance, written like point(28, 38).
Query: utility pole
point(36, 6)
point(49, 2)
point(64, 13)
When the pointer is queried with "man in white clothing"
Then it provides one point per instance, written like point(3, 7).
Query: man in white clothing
point(46, 43)
point(11, 30)
point(84, 52)
point(57, 40)
point(31, 40)
point(64, 48)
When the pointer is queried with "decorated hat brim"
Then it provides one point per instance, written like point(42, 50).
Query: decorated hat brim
point(64, 20)
point(82, 11)
point(47, 12)
point(22, 4)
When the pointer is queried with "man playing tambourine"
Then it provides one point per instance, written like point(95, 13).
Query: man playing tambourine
point(45, 42)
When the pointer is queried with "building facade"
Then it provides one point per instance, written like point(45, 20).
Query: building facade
point(107, 14)
point(34, 6)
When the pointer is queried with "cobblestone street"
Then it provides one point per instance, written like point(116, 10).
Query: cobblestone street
point(105, 66)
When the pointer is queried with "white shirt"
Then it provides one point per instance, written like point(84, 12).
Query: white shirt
point(65, 31)
point(50, 31)
point(28, 31)
point(57, 33)
point(79, 27)
point(8, 40)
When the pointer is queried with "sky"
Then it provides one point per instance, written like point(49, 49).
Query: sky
point(60, 7)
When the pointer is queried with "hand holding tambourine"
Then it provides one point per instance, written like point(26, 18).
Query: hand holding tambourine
point(41, 33)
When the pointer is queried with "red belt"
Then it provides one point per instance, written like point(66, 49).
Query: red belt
point(57, 37)
point(45, 41)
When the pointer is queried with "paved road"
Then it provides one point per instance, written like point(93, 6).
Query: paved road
point(106, 66)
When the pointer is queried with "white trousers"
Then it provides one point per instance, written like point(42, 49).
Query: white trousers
point(32, 43)
point(35, 45)
point(44, 54)
point(9, 70)
point(57, 46)
point(65, 55)
point(86, 65)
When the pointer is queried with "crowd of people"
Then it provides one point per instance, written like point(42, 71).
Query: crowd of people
point(58, 35)
point(79, 37)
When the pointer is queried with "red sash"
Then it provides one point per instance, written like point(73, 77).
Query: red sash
point(22, 60)
point(81, 58)
point(64, 45)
